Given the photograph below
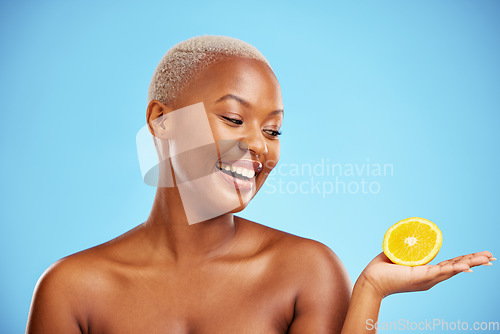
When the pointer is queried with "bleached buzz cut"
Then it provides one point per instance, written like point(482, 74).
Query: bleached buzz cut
point(180, 65)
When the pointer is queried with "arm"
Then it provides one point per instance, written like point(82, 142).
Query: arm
point(52, 307)
point(363, 309)
point(382, 278)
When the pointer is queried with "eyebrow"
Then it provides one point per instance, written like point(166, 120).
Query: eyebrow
point(245, 103)
point(234, 97)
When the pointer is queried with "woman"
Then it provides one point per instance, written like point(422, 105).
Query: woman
point(215, 111)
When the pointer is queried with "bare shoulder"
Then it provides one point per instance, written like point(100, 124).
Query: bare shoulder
point(321, 283)
point(91, 267)
point(73, 276)
point(60, 297)
point(309, 258)
point(67, 289)
point(74, 270)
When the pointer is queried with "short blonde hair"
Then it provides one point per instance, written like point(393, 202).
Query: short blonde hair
point(186, 59)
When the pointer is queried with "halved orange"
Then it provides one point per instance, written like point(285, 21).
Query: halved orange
point(412, 241)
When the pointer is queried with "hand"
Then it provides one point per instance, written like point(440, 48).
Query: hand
point(387, 278)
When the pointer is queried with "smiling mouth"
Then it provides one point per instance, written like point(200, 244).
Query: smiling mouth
point(241, 173)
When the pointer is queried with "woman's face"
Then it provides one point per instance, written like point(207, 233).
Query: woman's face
point(244, 111)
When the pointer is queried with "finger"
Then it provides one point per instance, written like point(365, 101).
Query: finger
point(452, 268)
point(439, 273)
point(459, 258)
point(471, 259)
point(385, 259)
point(455, 259)
point(449, 268)
point(456, 265)
point(382, 258)
point(477, 260)
point(462, 264)
point(485, 253)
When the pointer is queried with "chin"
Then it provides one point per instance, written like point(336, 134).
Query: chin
point(238, 209)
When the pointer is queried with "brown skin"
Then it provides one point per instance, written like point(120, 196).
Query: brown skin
point(227, 274)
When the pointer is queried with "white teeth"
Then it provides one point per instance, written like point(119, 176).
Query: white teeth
point(249, 173)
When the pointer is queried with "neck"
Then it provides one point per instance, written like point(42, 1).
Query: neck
point(168, 230)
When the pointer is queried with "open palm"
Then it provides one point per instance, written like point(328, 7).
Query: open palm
point(388, 278)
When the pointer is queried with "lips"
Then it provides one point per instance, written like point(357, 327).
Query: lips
point(240, 173)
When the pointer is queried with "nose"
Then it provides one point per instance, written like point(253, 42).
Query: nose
point(255, 142)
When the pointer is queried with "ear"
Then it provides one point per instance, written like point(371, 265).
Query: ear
point(156, 116)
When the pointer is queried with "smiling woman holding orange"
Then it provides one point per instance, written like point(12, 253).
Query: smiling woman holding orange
point(215, 112)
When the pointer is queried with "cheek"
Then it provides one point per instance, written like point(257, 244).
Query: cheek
point(219, 130)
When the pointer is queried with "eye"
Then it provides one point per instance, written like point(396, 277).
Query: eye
point(233, 120)
point(273, 133)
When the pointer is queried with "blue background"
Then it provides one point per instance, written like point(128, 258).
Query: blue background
point(414, 84)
